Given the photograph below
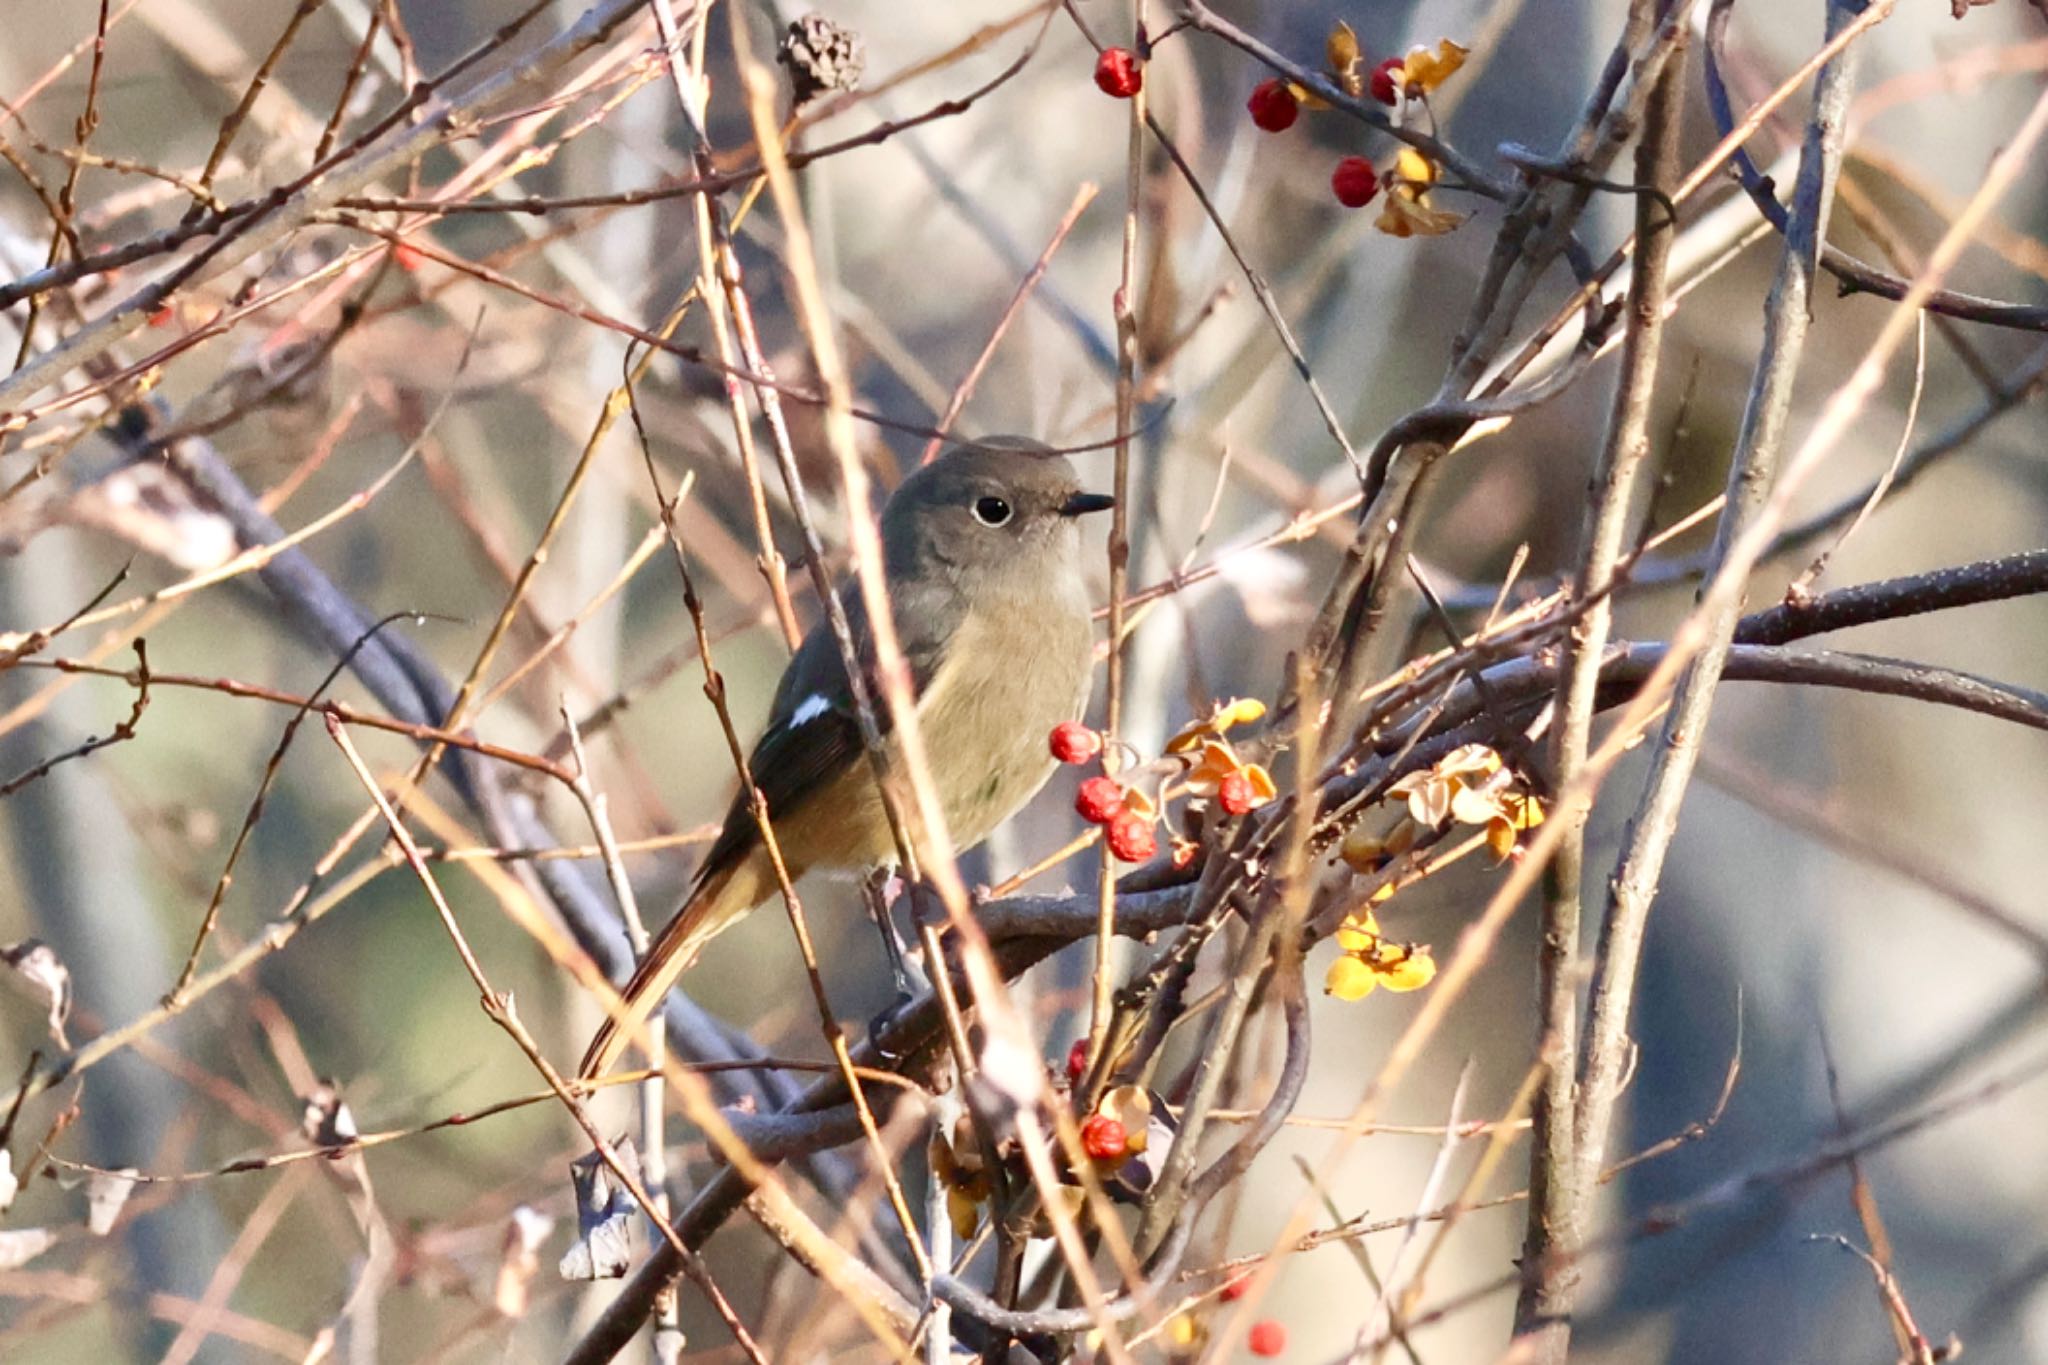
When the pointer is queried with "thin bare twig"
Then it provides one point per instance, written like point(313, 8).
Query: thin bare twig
point(1557, 1204)
point(1752, 476)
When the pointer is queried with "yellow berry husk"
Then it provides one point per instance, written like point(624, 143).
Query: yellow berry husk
point(1239, 711)
point(966, 1214)
point(1414, 972)
point(1349, 979)
point(1354, 936)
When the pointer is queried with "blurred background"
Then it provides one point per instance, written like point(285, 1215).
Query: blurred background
point(1773, 928)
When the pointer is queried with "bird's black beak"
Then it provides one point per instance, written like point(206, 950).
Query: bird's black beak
point(1080, 504)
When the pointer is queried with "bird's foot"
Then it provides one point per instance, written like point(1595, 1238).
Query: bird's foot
point(885, 1021)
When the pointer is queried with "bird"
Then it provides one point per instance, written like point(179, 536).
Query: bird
point(982, 559)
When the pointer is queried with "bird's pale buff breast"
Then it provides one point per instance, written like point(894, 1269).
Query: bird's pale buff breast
point(984, 721)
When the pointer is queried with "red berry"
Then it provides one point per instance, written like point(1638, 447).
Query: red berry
point(1381, 82)
point(1103, 1138)
point(1234, 793)
point(1077, 1061)
point(1273, 106)
point(1117, 73)
point(1099, 800)
point(1073, 742)
point(1131, 837)
point(1354, 182)
point(163, 316)
point(1268, 1338)
point(1233, 1290)
point(410, 258)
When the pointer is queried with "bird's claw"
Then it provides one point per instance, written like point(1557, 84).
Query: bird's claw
point(885, 1020)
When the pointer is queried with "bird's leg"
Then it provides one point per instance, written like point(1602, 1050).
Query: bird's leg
point(874, 890)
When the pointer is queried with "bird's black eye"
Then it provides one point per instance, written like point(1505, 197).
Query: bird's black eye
point(991, 510)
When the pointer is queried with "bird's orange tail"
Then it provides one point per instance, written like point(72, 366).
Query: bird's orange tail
point(718, 901)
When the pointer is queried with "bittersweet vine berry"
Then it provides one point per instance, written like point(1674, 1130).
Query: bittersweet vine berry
point(1234, 793)
point(1073, 742)
point(1382, 85)
point(1103, 1138)
point(1267, 1338)
point(1354, 182)
point(1131, 838)
point(1099, 800)
point(1117, 73)
point(1273, 106)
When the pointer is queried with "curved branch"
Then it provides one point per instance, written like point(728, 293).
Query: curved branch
point(1854, 275)
point(1293, 989)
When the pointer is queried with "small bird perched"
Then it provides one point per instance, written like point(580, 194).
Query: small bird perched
point(982, 557)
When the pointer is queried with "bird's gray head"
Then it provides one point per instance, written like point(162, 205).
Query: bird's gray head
point(1004, 504)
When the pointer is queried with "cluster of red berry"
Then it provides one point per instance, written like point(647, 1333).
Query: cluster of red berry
point(1102, 800)
point(1401, 83)
point(1129, 834)
point(1274, 106)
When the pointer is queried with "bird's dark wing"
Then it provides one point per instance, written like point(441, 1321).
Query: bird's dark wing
point(813, 728)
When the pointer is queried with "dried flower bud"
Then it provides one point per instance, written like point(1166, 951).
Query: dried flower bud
point(821, 57)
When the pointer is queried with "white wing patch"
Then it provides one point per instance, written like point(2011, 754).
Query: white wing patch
point(809, 709)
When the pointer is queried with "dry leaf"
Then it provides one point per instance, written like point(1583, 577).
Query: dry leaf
point(605, 1219)
point(46, 975)
point(1341, 50)
point(18, 1248)
point(105, 1196)
point(1425, 70)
